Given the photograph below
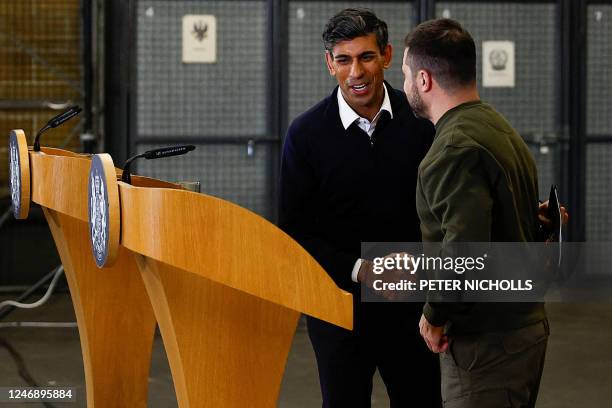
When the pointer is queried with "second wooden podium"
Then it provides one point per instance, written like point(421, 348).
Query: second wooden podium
point(227, 288)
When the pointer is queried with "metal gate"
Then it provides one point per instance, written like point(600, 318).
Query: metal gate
point(270, 68)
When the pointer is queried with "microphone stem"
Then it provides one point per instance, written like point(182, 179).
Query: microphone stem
point(125, 177)
point(37, 138)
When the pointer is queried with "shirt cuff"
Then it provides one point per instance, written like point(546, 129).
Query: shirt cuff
point(356, 270)
point(434, 316)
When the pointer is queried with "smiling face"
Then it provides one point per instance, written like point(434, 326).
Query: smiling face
point(358, 66)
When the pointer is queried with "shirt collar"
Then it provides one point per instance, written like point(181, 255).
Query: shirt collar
point(348, 115)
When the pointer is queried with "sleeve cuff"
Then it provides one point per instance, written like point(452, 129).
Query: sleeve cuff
point(434, 316)
point(356, 270)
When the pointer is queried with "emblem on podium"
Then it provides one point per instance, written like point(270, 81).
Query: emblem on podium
point(103, 204)
point(19, 174)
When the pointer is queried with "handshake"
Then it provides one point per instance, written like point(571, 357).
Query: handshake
point(399, 267)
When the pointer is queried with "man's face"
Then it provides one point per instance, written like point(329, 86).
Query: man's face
point(359, 66)
point(410, 88)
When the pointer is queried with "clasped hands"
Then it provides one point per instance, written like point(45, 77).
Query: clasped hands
point(396, 267)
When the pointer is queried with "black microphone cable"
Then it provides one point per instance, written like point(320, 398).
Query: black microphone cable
point(55, 122)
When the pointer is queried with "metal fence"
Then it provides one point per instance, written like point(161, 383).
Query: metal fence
point(223, 106)
point(599, 122)
point(270, 67)
point(41, 69)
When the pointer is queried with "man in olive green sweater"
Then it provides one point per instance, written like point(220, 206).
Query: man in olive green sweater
point(477, 183)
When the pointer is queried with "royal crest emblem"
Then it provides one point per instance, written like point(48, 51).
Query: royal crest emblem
point(200, 31)
point(15, 175)
point(98, 212)
point(498, 59)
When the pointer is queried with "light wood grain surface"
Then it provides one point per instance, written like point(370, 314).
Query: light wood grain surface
point(60, 183)
point(114, 315)
point(61, 152)
point(64, 165)
point(227, 288)
point(225, 348)
point(228, 244)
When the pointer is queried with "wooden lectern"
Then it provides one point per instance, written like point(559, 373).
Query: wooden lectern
point(115, 319)
point(227, 288)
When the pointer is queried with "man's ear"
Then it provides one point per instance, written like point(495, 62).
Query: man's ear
point(329, 60)
point(387, 56)
point(424, 80)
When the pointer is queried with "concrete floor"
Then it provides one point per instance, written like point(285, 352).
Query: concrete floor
point(578, 370)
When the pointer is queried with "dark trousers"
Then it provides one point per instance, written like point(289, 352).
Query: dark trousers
point(386, 337)
point(494, 370)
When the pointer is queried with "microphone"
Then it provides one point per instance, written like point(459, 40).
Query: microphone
point(55, 122)
point(154, 154)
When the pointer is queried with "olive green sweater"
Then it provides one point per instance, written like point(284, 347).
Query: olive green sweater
point(478, 183)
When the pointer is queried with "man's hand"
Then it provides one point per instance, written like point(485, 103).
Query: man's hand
point(542, 216)
point(434, 336)
point(367, 276)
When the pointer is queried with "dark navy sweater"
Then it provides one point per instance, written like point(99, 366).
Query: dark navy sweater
point(337, 189)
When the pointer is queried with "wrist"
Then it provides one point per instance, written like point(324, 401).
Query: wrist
point(364, 270)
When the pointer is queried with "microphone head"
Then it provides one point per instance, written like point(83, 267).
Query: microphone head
point(168, 151)
point(55, 122)
point(64, 116)
point(155, 154)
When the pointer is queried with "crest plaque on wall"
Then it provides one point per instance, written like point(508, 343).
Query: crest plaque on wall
point(199, 39)
point(498, 64)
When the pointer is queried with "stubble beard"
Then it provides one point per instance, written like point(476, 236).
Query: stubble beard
point(416, 103)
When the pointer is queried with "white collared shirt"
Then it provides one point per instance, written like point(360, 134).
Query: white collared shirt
point(348, 116)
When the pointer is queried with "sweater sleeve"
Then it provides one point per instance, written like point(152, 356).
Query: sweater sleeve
point(457, 190)
point(298, 209)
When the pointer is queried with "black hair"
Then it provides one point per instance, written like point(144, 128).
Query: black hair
point(444, 48)
point(351, 23)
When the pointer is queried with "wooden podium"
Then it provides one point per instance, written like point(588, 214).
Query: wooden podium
point(115, 319)
point(226, 288)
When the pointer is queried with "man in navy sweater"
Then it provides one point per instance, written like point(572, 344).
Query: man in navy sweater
point(348, 175)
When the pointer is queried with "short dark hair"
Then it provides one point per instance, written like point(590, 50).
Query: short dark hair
point(444, 48)
point(351, 23)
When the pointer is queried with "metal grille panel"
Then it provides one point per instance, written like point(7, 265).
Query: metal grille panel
point(599, 70)
point(40, 61)
point(226, 98)
point(309, 80)
point(224, 170)
point(547, 161)
point(532, 106)
point(598, 192)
